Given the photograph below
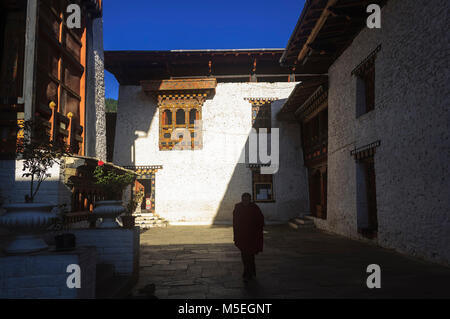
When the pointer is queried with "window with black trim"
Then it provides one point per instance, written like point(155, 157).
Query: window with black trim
point(262, 115)
point(262, 186)
point(365, 84)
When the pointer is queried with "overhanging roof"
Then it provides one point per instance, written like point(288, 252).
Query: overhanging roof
point(300, 94)
point(132, 67)
point(324, 30)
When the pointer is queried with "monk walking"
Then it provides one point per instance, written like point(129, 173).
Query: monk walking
point(248, 223)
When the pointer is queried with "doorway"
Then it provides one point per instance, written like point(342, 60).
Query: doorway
point(146, 185)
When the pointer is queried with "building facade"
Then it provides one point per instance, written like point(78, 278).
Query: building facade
point(51, 72)
point(185, 121)
point(385, 175)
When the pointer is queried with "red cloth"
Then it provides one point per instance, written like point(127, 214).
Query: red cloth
point(248, 223)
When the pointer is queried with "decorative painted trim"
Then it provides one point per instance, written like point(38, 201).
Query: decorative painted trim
point(257, 165)
point(208, 84)
point(144, 171)
point(366, 62)
point(365, 151)
point(316, 99)
point(260, 100)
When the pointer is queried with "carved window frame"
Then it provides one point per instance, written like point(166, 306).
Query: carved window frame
point(173, 104)
point(365, 84)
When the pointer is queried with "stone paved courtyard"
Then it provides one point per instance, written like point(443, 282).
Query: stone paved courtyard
point(202, 262)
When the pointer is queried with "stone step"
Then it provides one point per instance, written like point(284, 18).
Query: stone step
point(152, 226)
point(302, 221)
point(146, 220)
point(150, 220)
point(297, 223)
point(148, 217)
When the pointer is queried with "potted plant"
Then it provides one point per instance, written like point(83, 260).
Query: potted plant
point(30, 219)
point(112, 183)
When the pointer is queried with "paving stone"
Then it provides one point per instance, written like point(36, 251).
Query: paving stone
point(204, 263)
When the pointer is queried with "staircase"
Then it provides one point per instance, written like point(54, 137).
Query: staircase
point(146, 219)
point(301, 222)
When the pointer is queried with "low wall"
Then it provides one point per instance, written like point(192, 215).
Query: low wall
point(118, 247)
point(44, 275)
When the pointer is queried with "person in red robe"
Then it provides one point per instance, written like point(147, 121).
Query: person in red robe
point(248, 223)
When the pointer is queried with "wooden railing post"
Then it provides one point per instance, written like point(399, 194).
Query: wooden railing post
point(70, 116)
point(52, 120)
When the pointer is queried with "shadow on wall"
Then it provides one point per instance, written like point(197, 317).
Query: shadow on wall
point(289, 183)
point(135, 127)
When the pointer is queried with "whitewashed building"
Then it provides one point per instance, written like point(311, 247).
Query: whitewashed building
point(375, 128)
point(210, 100)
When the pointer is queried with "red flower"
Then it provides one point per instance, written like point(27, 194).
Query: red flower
point(101, 163)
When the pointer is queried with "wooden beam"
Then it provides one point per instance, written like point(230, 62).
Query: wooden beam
point(316, 29)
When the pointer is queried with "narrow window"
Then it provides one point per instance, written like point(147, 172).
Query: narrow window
point(366, 198)
point(262, 187)
point(261, 116)
point(180, 117)
point(365, 84)
point(167, 117)
point(193, 115)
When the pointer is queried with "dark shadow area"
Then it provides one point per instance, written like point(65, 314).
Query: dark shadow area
point(324, 266)
point(111, 119)
point(289, 196)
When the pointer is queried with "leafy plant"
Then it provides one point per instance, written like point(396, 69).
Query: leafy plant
point(111, 182)
point(111, 105)
point(39, 154)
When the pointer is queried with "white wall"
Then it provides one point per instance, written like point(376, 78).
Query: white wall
point(202, 186)
point(411, 118)
point(14, 187)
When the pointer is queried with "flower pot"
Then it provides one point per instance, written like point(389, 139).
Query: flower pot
point(108, 210)
point(128, 221)
point(28, 221)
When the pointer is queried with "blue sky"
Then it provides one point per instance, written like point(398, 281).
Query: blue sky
point(196, 24)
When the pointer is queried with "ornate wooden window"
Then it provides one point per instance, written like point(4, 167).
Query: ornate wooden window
point(180, 118)
point(180, 104)
point(193, 116)
point(262, 186)
point(315, 138)
point(60, 82)
point(166, 118)
point(261, 113)
point(365, 84)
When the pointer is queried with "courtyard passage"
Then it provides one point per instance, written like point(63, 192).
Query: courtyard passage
point(202, 262)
